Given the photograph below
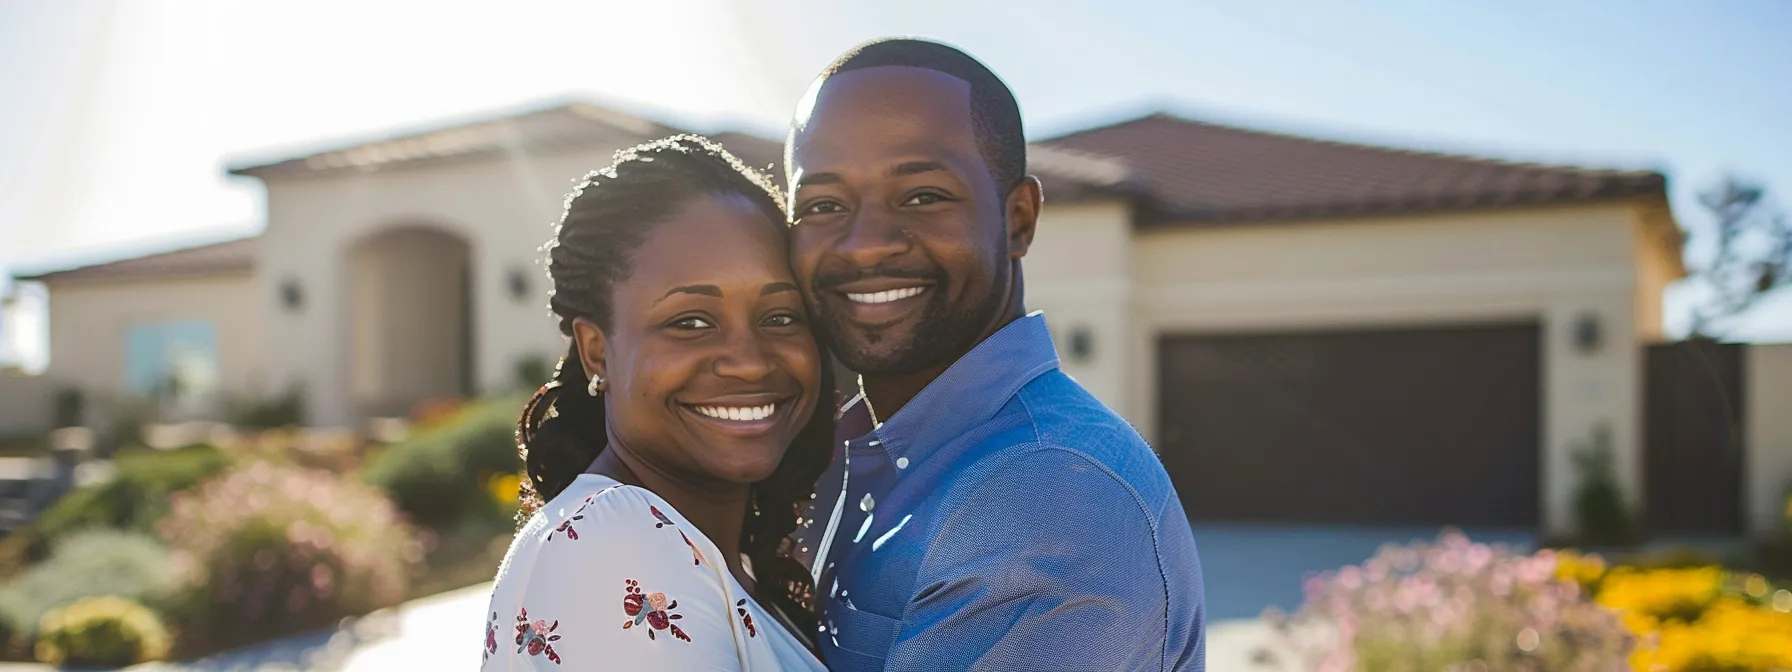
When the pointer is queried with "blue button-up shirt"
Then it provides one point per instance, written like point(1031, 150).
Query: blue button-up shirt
point(1007, 520)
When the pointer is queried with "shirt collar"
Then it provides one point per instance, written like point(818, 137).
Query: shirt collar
point(972, 389)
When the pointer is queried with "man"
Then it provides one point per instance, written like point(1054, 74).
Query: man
point(986, 511)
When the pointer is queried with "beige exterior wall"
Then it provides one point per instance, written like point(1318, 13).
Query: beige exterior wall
point(1546, 265)
point(27, 403)
point(1078, 273)
point(89, 320)
point(503, 207)
point(1768, 436)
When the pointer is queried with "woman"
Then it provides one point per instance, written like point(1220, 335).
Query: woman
point(678, 436)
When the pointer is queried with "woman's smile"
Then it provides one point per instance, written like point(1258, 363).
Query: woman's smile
point(743, 416)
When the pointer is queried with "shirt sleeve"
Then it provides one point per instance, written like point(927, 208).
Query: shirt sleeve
point(1054, 566)
point(615, 584)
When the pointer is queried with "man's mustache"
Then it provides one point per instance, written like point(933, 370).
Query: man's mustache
point(831, 280)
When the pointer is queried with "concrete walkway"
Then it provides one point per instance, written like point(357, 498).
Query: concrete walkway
point(444, 632)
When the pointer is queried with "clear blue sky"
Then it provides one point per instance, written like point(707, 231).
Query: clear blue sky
point(119, 115)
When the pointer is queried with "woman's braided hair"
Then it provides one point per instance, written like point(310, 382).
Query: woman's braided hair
point(562, 428)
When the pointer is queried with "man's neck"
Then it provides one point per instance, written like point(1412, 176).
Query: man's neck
point(887, 394)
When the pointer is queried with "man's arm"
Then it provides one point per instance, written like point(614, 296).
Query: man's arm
point(1051, 563)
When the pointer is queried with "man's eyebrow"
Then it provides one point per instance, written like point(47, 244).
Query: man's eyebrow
point(916, 168)
point(813, 179)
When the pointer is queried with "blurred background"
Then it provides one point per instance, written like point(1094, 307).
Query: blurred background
point(1460, 327)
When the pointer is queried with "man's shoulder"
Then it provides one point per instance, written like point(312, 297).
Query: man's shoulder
point(1065, 419)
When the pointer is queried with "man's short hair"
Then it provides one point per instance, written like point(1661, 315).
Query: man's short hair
point(995, 115)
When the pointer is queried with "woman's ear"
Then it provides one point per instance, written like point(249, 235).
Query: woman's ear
point(592, 348)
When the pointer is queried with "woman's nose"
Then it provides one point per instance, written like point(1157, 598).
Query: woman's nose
point(744, 356)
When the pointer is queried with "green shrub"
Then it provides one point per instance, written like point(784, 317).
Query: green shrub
point(70, 408)
point(269, 550)
point(91, 563)
point(284, 410)
point(440, 477)
point(1602, 516)
point(135, 498)
point(533, 371)
point(107, 631)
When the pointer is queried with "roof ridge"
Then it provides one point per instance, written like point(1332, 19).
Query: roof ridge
point(417, 136)
point(185, 248)
point(1162, 115)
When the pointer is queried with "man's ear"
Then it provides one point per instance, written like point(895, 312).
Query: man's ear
point(1023, 206)
point(592, 347)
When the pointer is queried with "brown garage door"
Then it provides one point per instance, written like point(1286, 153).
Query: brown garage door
point(1435, 426)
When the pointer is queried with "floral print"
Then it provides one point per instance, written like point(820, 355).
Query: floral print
point(536, 637)
point(746, 618)
point(491, 637)
point(651, 608)
point(566, 527)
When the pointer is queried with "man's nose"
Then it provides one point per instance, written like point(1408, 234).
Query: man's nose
point(875, 235)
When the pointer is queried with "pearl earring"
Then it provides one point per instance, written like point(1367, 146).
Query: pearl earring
point(596, 386)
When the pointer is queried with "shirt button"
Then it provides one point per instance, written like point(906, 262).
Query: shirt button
point(901, 463)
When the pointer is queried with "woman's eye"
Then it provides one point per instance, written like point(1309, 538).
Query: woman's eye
point(692, 323)
point(924, 198)
point(780, 321)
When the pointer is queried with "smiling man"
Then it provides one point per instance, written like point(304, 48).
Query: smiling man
point(985, 511)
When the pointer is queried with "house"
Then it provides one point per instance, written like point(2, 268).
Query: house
point(1306, 330)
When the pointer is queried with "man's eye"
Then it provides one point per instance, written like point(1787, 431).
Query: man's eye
point(822, 208)
point(924, 198)
point(692, 323)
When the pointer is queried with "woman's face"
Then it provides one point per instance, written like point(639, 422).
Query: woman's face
point(710, 364)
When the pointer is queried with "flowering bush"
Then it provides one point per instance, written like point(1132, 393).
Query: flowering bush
point(441, 477)
point(91, 563)
point(108, 631)
point(1697, 619)
point(271, 549)
point(1453, 605)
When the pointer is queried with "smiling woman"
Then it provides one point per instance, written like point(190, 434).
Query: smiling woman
point(667, 457)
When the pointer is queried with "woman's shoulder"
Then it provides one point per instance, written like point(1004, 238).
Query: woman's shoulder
point(595, 506)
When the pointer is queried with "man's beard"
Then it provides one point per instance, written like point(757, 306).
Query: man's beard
point(939, 336)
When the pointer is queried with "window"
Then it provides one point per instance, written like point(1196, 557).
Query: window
point(172, 362)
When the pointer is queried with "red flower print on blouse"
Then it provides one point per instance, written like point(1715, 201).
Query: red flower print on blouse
point(664, 521)
point(696, 555)
point(651, 608)
point(536, 637)
point(491, 636)
point(746, 618)
point(566, 525)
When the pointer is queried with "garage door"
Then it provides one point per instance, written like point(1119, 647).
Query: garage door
point(1434, 426)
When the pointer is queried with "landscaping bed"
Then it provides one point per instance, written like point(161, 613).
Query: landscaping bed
point(190, 551)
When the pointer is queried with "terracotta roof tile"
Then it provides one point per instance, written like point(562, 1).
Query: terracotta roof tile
point(233, 256)
point(1195, 171)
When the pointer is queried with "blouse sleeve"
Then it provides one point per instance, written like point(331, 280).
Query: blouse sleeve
point(614, 584)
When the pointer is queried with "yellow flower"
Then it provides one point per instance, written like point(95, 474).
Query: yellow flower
point(1731, 636)
point(1585, 570)
point(1662, 594)
point(504, 488)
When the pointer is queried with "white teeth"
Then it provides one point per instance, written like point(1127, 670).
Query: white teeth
point(738, 413)
point(887, 296)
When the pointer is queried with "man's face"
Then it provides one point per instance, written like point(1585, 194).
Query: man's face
point(900, 243)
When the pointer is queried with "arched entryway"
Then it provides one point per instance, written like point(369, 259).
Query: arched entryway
point(410, 319)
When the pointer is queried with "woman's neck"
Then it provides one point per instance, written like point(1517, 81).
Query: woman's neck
point(717, 511)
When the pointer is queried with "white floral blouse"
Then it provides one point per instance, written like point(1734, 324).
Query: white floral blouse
point(609, 576)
